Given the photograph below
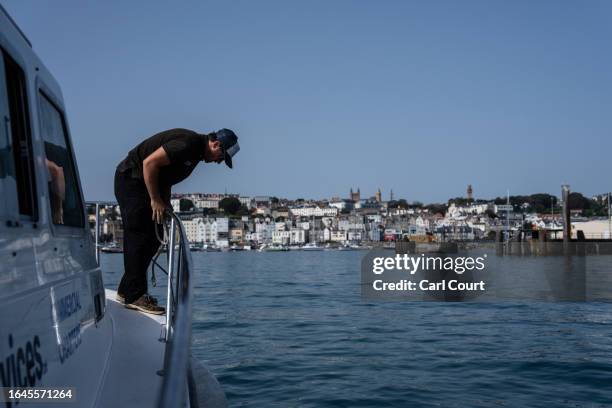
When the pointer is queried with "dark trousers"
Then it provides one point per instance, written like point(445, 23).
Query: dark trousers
point(140, 242)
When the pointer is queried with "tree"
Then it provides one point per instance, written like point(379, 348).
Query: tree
point(186, 204)
point(459, 201)
point(436, 208)
point(230, 205)
point(243, 210)
point(578, 202)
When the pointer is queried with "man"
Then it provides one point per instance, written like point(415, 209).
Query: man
point(143, 181)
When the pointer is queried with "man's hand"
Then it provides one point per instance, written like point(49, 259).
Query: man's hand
point(150, 169)
point(158, 207)
point(58, 214)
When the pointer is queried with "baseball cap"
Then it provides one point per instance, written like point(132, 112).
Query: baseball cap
point(229, 142)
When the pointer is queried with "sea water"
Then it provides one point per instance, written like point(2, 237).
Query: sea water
point(291, 329)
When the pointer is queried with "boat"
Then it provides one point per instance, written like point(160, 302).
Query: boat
point(112, 248)
point(235, 248)
point(312, 246)
point(194, 247)
point(60, 327)
point(273, 248)
point(211, 248)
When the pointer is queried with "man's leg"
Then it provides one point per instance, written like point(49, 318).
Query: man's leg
point(140, 242)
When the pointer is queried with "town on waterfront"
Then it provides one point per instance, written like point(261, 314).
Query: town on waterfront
point(217, 222)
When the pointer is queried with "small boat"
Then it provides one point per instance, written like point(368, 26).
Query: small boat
point(113, 248)
point(195, 247)
point(312, 246)
point(235, 247)
point(273, 248)
point(211, 248)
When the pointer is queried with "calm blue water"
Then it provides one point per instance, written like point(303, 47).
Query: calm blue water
point(291, 330)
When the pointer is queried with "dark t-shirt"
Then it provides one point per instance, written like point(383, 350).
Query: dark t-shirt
point(185, 149)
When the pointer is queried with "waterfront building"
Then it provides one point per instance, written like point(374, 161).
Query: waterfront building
point(593, 229)
point(264, 231)
point(298, 236)
point(114, 229)
point(212, 231)
point(281, 237)
point(354, 236)
point(176, 204)
point(191, 229)
point(338, 236)
point(375, 232)
point(236, 235)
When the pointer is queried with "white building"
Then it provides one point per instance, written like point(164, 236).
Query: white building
point(176, 204)
point(314, 211)
point(201, 203)
point(338, 236)
point(342, 204)
point(281, 237)
point(263, 232)
point(208, 231)
point(298, 236)
point(191, 229)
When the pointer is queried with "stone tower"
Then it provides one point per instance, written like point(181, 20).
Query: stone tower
point(355, 197)
point(378, 196)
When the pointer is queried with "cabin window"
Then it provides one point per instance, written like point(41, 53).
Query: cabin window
point(64, 192)
point(16, 144)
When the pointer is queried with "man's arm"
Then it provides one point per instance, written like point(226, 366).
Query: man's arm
point(58, 188)
point(150, 170)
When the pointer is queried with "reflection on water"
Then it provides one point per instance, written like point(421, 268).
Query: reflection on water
point(291, 329)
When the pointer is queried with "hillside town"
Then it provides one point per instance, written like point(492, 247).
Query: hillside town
point(224, 221)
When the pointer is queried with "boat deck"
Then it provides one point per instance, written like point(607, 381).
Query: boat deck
point(135, 357)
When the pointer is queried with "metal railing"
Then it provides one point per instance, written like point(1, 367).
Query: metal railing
point(177, 383)
point(177, 353)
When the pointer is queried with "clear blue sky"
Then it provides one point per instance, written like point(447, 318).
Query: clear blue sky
point(422, 97)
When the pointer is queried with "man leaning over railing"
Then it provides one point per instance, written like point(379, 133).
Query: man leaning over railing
point(143, 182)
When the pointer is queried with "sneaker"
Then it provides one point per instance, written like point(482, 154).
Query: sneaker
point(146, 303)
point(121, 299)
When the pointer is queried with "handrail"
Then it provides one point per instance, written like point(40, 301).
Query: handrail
point(177, 389)
point(176, 372)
